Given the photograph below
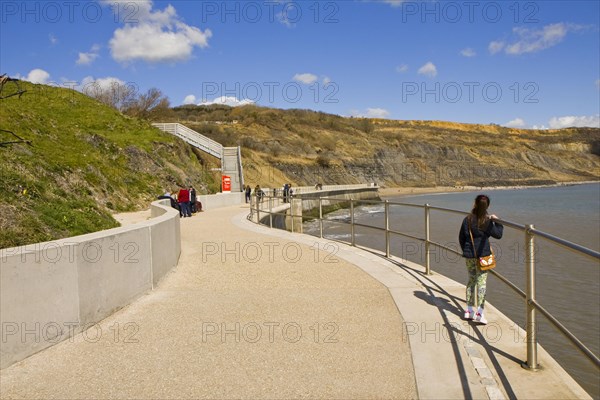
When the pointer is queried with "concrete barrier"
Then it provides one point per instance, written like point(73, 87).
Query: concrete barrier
point(51, 291)
point(219, 200)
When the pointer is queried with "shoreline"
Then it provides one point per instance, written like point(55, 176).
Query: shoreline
point(405, 191)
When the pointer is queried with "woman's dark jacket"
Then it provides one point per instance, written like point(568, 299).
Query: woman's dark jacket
point(480, 237)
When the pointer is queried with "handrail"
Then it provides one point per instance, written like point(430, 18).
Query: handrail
point(530, 234)
point(191, 136)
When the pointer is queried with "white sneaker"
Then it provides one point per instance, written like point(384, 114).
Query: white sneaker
point(480, 318)
point(469, 314)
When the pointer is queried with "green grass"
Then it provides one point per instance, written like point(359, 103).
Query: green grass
point(86, 160)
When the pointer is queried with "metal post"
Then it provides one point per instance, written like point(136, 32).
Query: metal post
point(352, 241)
point(270, 211)
point(387, 228)
point(532, 359)
point(292, 211)
point(257, 211)
point(321, 216)
point(427, 245)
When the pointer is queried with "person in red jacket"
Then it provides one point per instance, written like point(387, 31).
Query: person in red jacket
point(183, 197)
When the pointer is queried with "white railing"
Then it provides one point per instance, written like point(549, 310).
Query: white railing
point(192, 137)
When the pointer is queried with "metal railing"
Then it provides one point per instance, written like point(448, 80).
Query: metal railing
point(192, 137)
point(529, 231)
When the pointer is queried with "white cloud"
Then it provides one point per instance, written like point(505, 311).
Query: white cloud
point(228, 101)
point(428, 69)
point(53, 39)
point(468, 52)
point(402, 68)
point(189, 99)
point(516, 123)
point(371, 113)
point(532, 41)
point(284, 18)
point(575, 121)
point(155, 36)
point(495, 47)
point(326, 81)
point(93, 86)
point(37, 75)
point(394, 3)
point(306, 78)
point(527, 40)
point(86, 58)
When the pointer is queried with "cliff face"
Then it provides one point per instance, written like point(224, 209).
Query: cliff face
point(305, 147)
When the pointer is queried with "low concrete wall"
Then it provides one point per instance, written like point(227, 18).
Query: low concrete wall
point(219, 200)
point(51, 291)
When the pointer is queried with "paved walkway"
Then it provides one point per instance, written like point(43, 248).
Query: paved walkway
point(257, 313)
point(244, 315)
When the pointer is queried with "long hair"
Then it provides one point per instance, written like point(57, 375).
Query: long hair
point(482, 202)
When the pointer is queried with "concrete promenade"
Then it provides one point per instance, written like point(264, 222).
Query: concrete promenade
point(256, 313)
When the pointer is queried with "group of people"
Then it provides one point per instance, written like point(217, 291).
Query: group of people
point(287, 191)
point(185, 200)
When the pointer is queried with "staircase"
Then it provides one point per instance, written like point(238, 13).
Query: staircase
point(231, 164)
point(231, 157)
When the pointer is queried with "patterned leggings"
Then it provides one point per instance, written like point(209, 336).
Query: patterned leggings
point(477, 281)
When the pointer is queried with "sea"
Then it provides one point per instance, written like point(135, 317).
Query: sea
point(567, 284)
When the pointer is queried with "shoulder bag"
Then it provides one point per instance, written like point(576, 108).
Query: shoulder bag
point(485, 263)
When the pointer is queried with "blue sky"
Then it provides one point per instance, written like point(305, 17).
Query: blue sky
point(522, 64)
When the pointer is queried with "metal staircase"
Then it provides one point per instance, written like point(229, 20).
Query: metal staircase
point(231, 157)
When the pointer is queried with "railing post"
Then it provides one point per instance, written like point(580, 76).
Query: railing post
point(427, 244)
point(291, 202)
point(321, 217)
point(352, 241)
point(257, 211)
point(532, 359)
point(271, 211)
point(387, 228)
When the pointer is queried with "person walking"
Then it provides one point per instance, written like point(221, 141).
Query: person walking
point(474, 238)
point(248, 191)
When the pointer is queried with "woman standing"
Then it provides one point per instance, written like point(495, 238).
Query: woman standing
point(474, 239)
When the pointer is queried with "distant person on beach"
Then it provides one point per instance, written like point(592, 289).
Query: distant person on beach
point(481, 226)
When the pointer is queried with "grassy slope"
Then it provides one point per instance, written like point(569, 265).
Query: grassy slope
point(86, 161)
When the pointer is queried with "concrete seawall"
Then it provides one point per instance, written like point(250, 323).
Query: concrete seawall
point(51, 291)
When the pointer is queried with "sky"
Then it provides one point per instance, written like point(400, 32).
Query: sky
point(524, 64)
